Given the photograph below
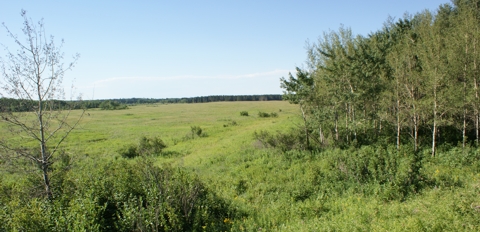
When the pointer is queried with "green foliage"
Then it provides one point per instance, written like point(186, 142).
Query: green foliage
point(243, 113)
point(267, 115)
point(413, 82)
point(196, 130)
point(151, 146)
point(112, 105)
point(129, 151)
point(283, 141)
point(145, 147)
point(120, 196)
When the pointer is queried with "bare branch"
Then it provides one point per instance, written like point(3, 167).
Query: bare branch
point(34, 75)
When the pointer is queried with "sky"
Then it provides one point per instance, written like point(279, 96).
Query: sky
point(174, 49)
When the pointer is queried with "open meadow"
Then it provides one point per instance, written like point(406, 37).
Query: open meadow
point(102, 132)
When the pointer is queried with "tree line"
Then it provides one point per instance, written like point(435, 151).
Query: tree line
point(201, 99)
point(415, 82)
point(22, 105)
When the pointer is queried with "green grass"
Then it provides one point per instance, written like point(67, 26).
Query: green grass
point(292, 191)
point(102, 132)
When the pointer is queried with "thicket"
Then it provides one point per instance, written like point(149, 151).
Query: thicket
point(359, 189)
point(116, 196)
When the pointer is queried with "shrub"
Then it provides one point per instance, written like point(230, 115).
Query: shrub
point(151, 145)
point(198, 131)
point(267, 115)
point(163, 199)
point(146, 146)
point(195, 131)
point(243, 113)
point(263, 114)
point(232, 123)
point(282, 141)
point(129, 151)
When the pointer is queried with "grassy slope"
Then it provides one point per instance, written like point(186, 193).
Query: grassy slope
point(266, 184)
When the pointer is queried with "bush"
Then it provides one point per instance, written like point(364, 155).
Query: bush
point(129, 151)
point(263, 115)
point(120, 196)
point(395, 174)
point(198, 131)
point(151, 145)
point(267, 115)
point(282, 141)
point(146, 146)
point(232, 123)
point(243, 113)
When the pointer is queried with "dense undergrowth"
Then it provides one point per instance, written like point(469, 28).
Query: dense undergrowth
point(371, 188)
point(365, 189)
point(115, 196)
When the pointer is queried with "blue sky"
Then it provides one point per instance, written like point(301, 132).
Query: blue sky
point(168, 49)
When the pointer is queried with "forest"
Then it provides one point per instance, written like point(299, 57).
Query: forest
point(376, 133)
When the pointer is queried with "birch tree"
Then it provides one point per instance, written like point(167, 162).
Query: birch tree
point(33, 74)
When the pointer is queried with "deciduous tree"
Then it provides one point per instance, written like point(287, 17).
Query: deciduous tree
point(34, 73)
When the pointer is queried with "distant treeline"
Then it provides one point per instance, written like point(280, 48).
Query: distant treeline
point(22, 105)
point(17, 105)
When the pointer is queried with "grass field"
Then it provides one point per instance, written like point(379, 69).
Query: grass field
point(286, 191)
point(102, 132)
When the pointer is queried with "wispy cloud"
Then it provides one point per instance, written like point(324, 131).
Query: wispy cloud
point(274, 73)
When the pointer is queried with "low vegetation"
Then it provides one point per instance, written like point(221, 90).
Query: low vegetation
point(267, 115)
point(145, 147)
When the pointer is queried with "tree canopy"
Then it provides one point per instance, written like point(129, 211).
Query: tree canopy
point(415, 82)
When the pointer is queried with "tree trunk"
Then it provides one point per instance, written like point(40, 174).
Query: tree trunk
point(475, 86)
point(434, 130)
point(346, 122)
point(44, 160)
point(336, 125)
point(321, 136)
point(415, 128)
point(464, 128)
point(398, 128)
point(307, 141)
